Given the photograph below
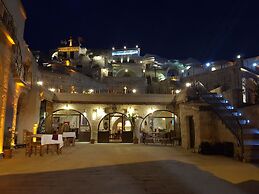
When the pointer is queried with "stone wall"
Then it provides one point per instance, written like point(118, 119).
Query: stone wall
point(103, 109)
point(251, 113)
point(207, 125)
point(5, 68)
point(28, 114)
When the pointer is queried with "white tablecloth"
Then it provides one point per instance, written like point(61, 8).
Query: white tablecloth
point(47, 139)
point(69, 134)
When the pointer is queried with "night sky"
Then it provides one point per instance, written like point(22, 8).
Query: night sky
point(202, 29)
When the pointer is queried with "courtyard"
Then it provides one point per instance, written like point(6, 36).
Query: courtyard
point(126, 168)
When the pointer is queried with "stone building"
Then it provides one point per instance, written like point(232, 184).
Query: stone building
point(118, 95)
point(18, 69)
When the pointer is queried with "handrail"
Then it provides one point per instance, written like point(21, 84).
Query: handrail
point(239, 133)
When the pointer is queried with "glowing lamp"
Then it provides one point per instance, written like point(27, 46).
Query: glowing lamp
point(188, 84)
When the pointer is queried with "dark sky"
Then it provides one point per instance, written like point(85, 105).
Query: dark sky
point(202, 29)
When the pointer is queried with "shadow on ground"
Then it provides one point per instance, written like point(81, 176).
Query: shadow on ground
point(160, 177)
point(251, 187)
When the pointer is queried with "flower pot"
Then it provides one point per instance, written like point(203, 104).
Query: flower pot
point(8, 153)
point(135, 140)
point(92, 141)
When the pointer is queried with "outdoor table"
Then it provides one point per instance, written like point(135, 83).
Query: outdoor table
point(69, 134)
point(69, 137)
point(46, 139)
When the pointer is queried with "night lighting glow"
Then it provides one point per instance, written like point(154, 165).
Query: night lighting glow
point(126, 52)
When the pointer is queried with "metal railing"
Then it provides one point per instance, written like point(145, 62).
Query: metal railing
point(7, 21)
point(232, 124)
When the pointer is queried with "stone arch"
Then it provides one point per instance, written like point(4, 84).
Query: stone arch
point(171, 72)
point(82, 125)
point(126, 73)
point(156, 111)
point(106, 135)
point(21, 124)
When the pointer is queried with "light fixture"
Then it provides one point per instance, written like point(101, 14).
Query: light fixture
point(182, 70)
point(100, 112)
point(254, 64)
point(125, 89)
point(134, 91)
point(188, 67)
point(213, 69)
point(40, 83)
point(52, 89)
point(113, 48)
point(136, 46)
point(188, 84)
point(125, 47)
point(177, 91)
point(130, 111)
point(238, 56)
point(150, 110)
point(9, 38)
point(67, 62)
point(20, 84)
point(144, 70)
point(66, 107)
point(126, 70)
point(90, 91)
point(208, 64)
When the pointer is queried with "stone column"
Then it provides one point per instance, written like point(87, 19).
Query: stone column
point(5, 64)
point(29, 112)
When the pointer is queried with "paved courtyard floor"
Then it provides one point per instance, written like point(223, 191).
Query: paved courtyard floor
point(126, 169)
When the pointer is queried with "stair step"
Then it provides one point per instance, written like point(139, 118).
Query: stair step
point(253, 131)
point(253, 157)
point(212, 95)
point(232, 114)
point(224, 108)
point(251, 134)
point(247, 126)
point(254, 143)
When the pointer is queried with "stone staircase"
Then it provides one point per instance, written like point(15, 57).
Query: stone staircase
point(247, 136)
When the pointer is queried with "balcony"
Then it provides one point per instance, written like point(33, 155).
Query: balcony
point(6, 20)
point(160, 99)
point(9, 30)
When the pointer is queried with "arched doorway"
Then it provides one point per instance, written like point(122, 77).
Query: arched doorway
point(115, 127)
point(126, 73)
point(160, 122)
point(19, 118)
point(68, 120)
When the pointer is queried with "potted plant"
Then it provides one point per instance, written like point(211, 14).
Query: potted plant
point(135, 140)
point(132, 118)
point(92, 141)
point(8, 151)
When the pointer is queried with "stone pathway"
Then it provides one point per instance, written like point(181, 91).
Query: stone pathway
point(126, 169)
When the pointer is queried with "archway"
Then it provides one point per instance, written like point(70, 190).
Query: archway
point(126, 73)
point(115, 127)
point(20, 118)
point(68, 120)
point(172, 72)
point(160, 122)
